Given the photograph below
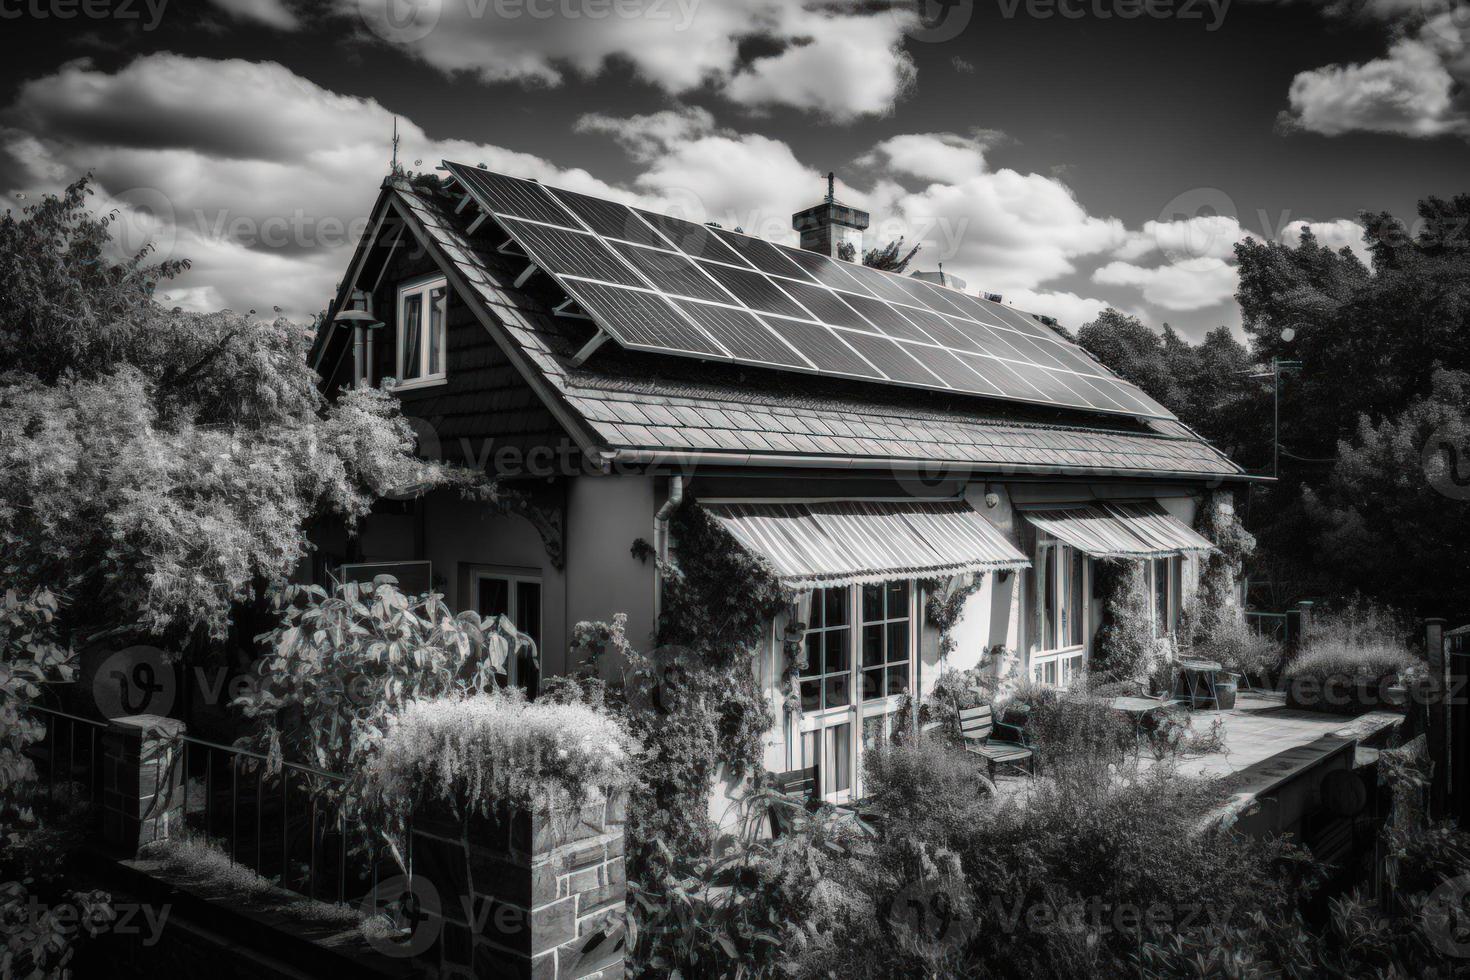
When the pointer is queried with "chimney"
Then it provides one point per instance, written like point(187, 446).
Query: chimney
point(831, 224)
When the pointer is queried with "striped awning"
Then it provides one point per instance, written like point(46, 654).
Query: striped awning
point(1107, 529)
point(847, 542)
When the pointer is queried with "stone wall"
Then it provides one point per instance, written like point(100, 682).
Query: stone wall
point(142, 781)
point(524, 895)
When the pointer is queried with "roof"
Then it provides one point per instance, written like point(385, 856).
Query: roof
point(624, 405)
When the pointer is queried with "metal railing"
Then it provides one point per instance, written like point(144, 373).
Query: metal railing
point(285, 825)
point(1273, 625)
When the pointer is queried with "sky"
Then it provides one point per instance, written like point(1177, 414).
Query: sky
point(1070, 155)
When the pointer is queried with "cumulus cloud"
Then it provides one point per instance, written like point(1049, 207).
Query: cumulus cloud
point(1416, 89)
point(1069, 309)
point(1343, 232)
point(841, 58)
point(260, 177)
point(271, 13)
point(1191, 284)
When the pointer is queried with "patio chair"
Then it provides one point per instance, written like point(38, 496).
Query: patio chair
point(797, 791)
point(978, 728)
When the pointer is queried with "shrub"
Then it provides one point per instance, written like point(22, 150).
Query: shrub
point(1124, 647)
point(1232, 644)
point(1360, 641)
point(485, 751)
point(341, 663)
point(1076, 734)
point(927, 786)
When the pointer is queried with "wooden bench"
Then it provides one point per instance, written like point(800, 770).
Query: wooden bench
point(798, 792)
point(978, 728)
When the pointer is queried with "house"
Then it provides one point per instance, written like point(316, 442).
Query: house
point(865, 432)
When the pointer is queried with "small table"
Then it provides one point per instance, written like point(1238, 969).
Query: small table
point(1139, 708)
point(1195, 682)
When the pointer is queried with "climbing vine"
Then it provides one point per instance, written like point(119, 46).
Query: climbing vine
point(1215, 605)
point(1124, 646)
point(943, 607)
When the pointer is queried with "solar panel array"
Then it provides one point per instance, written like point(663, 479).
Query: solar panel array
point(660, 283)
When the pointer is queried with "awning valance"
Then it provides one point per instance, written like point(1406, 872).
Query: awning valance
point(831, 543)
point(1108, 529)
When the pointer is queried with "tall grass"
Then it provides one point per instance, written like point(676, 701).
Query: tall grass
point(1359, 641)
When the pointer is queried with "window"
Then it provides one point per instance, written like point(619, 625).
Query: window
point(1164, 576)
point(859, 644)
point(885, 640)
point(827, 680)
point(519, 597)
point(422, 326)
point(1061, 583)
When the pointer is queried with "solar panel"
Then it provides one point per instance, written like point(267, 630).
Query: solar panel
point(661, 283)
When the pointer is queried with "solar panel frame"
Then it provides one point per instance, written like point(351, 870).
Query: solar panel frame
point(783, 307)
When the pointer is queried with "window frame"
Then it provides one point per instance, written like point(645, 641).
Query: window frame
point(512, 580)
point(819, 724)
point(419, 290)
point(1057, 665)
point(1173, 569)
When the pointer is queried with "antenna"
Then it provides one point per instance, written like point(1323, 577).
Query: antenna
point(395, 144)
point(831, 186)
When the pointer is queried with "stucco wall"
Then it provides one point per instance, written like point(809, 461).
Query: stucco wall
point(462, 536)
point(605, 515)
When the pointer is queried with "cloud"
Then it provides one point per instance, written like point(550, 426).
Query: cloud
point(943, 157)
point(1202, 235)
point(1417, 89)
point(841, 58)
point(1190, 284)
point(1344, 232)
point(271, 13)
point(262, 178)
point(1069, 309)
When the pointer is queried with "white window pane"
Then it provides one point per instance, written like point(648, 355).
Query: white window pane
point(410, 336)
point(438, 300)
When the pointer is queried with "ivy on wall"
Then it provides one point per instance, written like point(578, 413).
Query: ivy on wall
point(1123, 647)
point(1216, 604)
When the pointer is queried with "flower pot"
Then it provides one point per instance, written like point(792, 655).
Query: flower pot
point(1225, 691)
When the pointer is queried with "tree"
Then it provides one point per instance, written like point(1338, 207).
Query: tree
point(1392, 516)
point(1203, 384)
point(158, 468)
point(889, 258)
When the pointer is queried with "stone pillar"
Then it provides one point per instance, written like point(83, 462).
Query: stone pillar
point(1303, 622)
point(142, 781)
point(1437, 728)
point(528, 896)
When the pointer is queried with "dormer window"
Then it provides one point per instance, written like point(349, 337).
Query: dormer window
point(422, 332)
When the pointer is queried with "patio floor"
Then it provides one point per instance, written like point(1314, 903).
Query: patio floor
point(1265, 743)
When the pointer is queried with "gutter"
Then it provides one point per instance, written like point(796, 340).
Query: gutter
point(661, 539)
point(927, 468)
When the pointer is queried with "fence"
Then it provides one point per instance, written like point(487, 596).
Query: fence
point(1275, 626)
point(285, 825)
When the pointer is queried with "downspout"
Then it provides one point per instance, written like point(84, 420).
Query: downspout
point(661, 540)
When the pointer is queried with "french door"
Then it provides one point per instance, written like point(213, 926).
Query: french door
point(860, 647)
